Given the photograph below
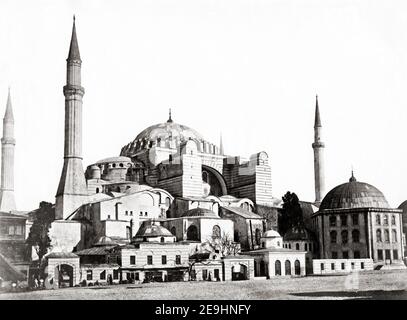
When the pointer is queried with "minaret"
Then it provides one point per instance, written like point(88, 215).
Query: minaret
point(221, 151)
point(7, 201)
point(318, 147)
point(72, 191)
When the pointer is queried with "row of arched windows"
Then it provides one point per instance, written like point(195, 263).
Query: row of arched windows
point(345, 236)
point(287, 265)
point(385, 220)
point(192, 232)
point(386, 233)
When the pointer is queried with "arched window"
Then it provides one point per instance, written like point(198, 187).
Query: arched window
point(173, 231)
point(277, 268)
point(378, 222)
point(205, 177)
point(355, 236)
point(305, 246)
point(287, 268)
point(333, 235)
point(386, 236)
point(379, 235)
point(258, 236)
point(192, 233)
point(297, 246)
point(118, 189)
point(393, 220)
point(386, 220)
point(344, 236)
point(167, 202)
point(393, 235)
point(97, 190)
point(216, 232)
point(297, 267)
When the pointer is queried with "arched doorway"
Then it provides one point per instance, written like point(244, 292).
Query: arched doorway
point(64, 274)
point(192, 233)
point(239, 272)
point(287, 268)
point(277, 271)
point(297, 267)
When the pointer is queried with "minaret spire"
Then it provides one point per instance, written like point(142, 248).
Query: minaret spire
point(7, 200)
point(74, 47)
point(221, 151)
point(169, 116)
point(317, 122)
point(318, 147)
point(72, 190)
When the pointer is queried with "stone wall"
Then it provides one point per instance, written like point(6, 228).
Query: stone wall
point(329, 266)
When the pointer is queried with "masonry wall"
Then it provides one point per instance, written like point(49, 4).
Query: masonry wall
point(330, 266)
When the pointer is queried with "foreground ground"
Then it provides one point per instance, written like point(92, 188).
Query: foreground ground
point(367, 285)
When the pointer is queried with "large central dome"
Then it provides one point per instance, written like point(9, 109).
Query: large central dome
point(354, 194)
point(167, 135)
point(166, 131)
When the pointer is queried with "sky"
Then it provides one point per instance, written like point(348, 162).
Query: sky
point(246, 69)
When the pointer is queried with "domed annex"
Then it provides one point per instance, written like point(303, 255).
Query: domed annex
point(200, 212)
point(153, 230)
point(354, 194)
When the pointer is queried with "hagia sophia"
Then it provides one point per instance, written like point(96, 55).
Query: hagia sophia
point(172, 206)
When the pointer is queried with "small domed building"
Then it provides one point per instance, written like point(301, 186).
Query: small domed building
point(355, 221)
point(272, 259)
point(153, 255)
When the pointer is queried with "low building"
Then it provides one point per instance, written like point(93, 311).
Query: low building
point(274, 260)
point(153, 255)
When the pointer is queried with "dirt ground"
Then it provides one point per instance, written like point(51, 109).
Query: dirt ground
point(367, 285)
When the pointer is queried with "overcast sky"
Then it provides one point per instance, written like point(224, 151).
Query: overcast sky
point(249, 69)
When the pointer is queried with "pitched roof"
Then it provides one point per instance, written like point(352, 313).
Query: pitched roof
point(243, 212)
point(9, 110)
point(94, 251)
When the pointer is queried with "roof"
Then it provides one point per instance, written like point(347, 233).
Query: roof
point(74, 48)
point(61, 255)
point(153, 230)
point(354, 194)
point(298, 233)
point(282, 250)
point(114, 159)
point(168, 131)
point(12, 216)
point(271, 234)
point(105, 241)
point(243, 212)
point(94, 251)
point(200, 212)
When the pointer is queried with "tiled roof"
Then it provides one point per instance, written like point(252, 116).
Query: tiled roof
point(94, 251)
point(61, 255)
point(243, 213)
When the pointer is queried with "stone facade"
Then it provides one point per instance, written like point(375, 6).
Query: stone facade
point(329, 266)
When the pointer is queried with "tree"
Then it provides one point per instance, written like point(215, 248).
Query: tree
point(291, 213)
point(38, 237)
point(224, 245)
